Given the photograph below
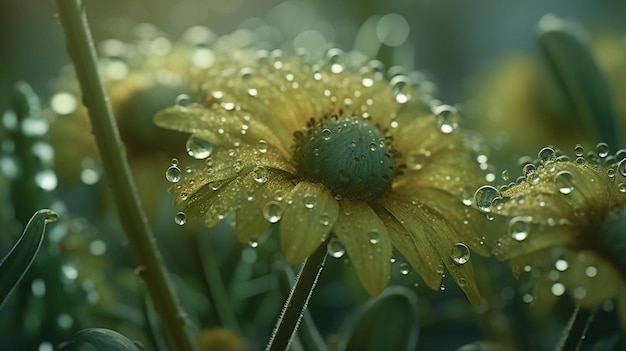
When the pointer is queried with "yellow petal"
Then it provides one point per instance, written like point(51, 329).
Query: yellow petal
point(367, 244)
point(309, 214)
point(422, 221)
point(415, 248)
point(220, 127)
point(249, 219)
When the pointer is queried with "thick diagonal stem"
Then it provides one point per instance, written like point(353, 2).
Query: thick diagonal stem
point(81, 49)
point(297, 301)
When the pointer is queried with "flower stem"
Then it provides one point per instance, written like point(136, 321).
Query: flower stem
point(575, 330)
point(297, 301)
point(81, 50)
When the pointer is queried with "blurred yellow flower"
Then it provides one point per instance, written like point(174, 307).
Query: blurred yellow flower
point(326, 147)
point(566, 226)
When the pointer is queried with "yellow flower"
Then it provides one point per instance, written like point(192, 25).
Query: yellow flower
point(329, 147)
point(566, 226)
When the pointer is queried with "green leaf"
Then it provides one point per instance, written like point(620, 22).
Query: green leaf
point(103, 340)
point(18, 260)
point(581, 79)
point(387, 322)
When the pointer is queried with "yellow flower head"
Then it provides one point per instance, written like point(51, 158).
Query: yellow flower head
point(566, 226)
point(330, 147)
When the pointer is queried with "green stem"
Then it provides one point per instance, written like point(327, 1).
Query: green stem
point(81, 50)
point(297, 301)
point(575, 330)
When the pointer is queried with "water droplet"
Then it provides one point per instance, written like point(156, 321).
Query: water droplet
point(621, 168)
point(546, 154)
point(182, 101)
point(324, 219)
point(484, 197)
point(326, 132)
point(336, 58)
point(564, 182)
point(579, 150)
point(505, 175)
point(401, 89)
point(262, 146)
point(335, 248)
point(199, 148)
point(310, 200)
point(254, 243)
point(622, 187)
point(460, 254)
point(51, 216)
point(374, 237)
point(173, 174)
point(602, 149)
point(518, 228)
point(272, 211)
point(260, 174)
point(404, 268)
point(447, 118)
point(180, 218)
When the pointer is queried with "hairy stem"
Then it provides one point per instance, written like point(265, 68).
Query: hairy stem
point(81, 50)
point(575, 330)
point(297, 301)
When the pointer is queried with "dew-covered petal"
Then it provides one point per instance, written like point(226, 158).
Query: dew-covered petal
point(309, 214)
point(434, 159)
point(424, 222)
point(250, 221)
point(221, 128)
point(365, 239)
point(415, 248)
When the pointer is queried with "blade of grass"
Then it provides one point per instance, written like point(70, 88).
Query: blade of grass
point(16, 263)
point(141, 241)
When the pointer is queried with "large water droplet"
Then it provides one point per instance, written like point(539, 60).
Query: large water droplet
point(484, 197)
point(518, 228)
point(260, 174)
point(579, 150)
point(602, 149)
point(401, 89)
point(546, 154)
point(173, 174)
point(447, 118)
point(180, 218)
point(199, 148)
point(272, 211)
point(460, 254)
point(182, 101)
point(335, 248)
point(564, 182)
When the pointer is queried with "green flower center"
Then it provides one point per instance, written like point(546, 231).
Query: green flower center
point(348, 155)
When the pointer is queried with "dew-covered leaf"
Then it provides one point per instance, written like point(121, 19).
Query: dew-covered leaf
point(18, 260)
point(580, 77)
point(102, 340)
point(373, 330)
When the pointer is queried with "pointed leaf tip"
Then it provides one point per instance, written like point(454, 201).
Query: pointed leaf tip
point(18, 260)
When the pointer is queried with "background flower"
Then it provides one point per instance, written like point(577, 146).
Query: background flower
point(565, 227)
